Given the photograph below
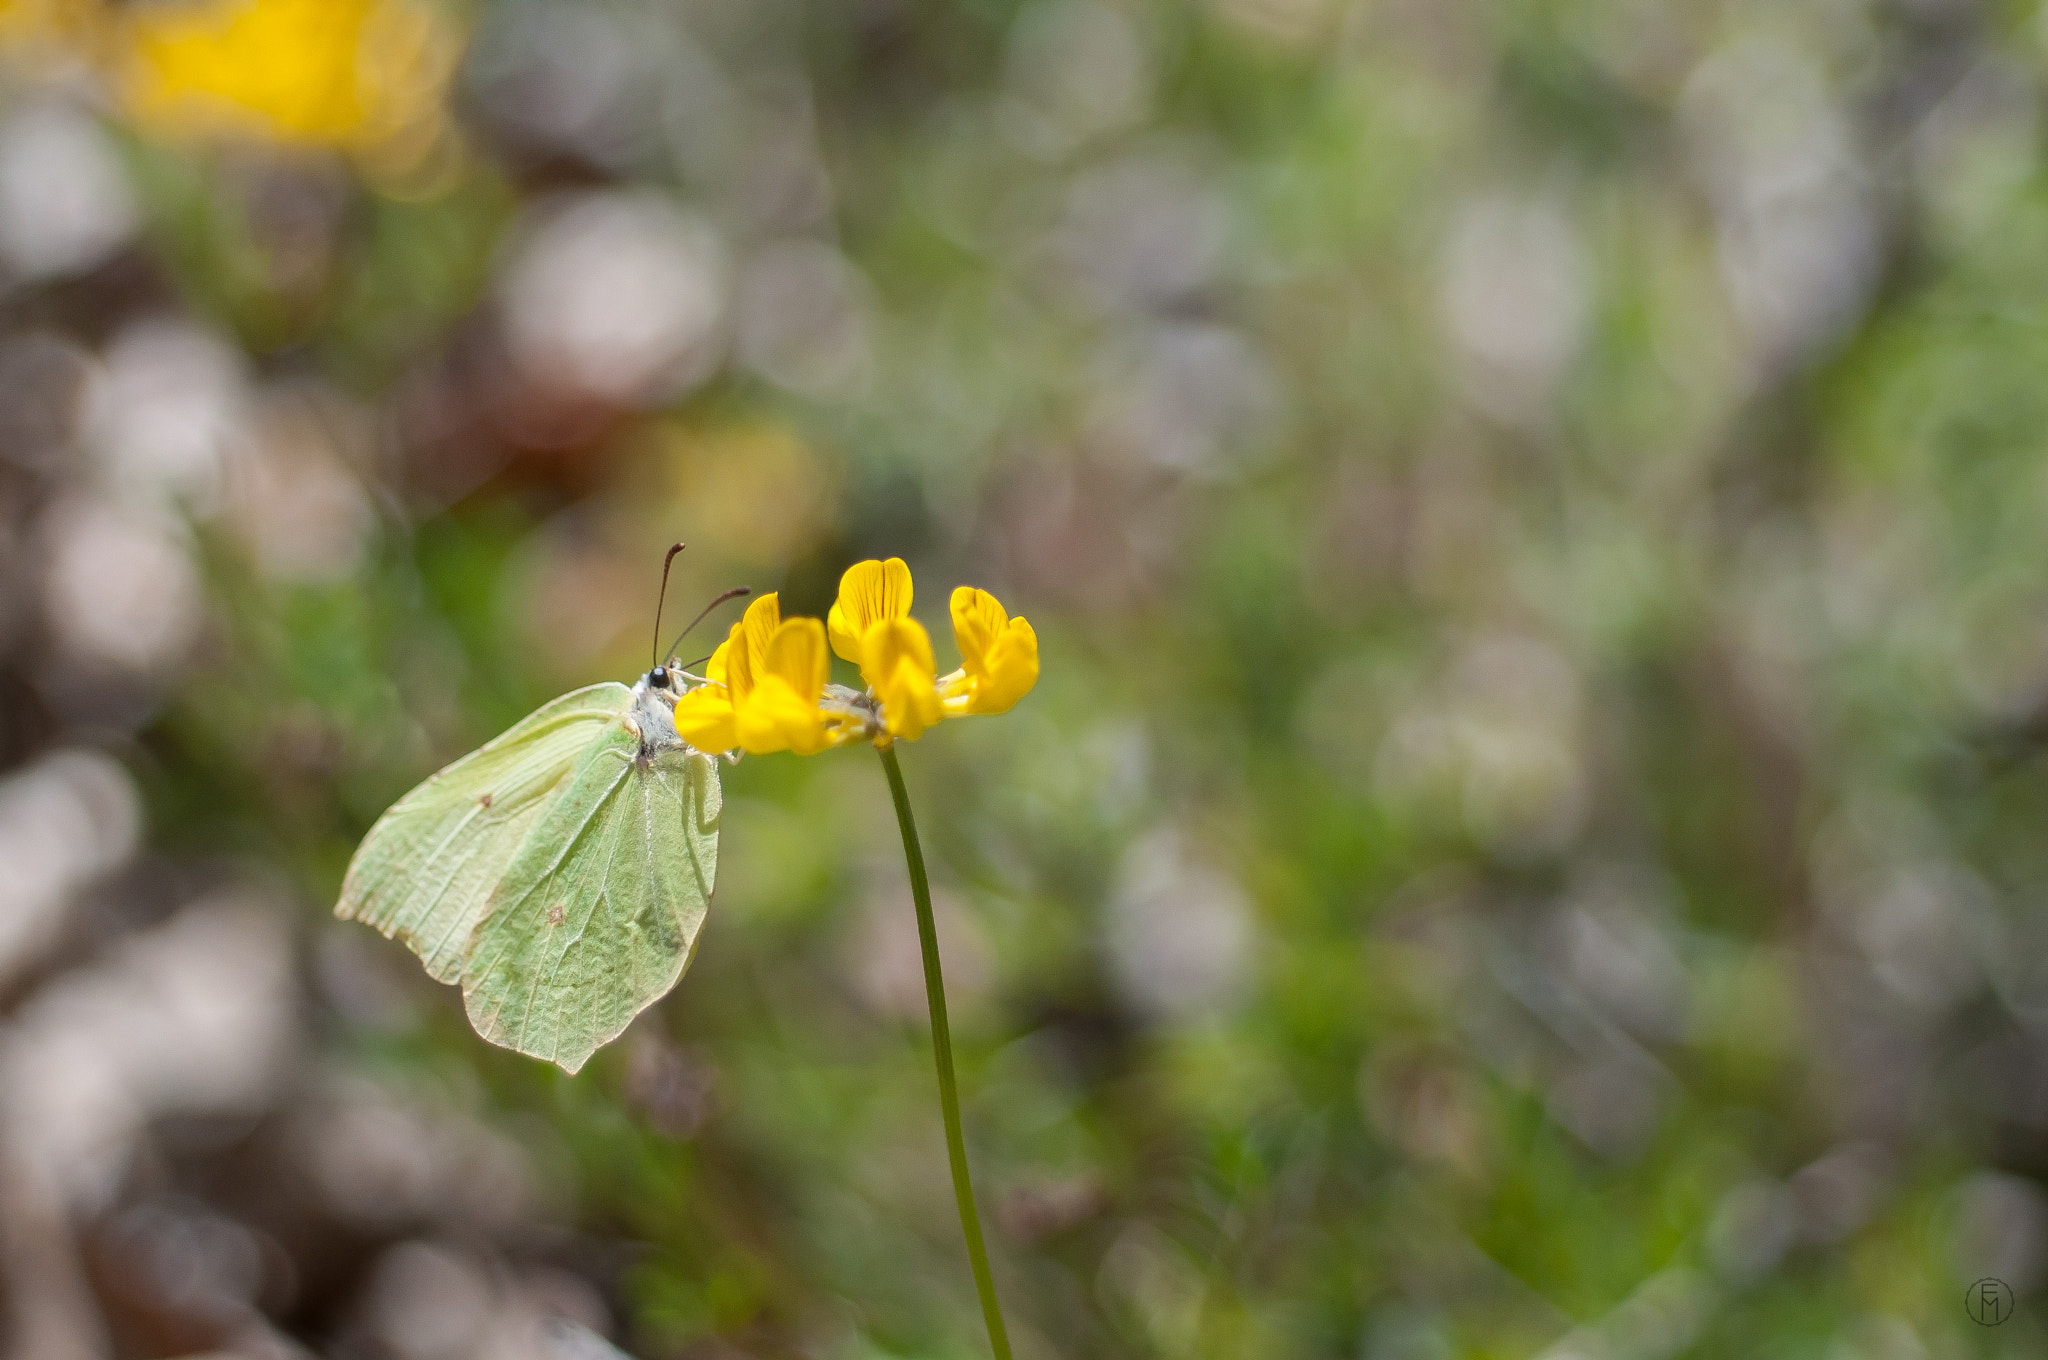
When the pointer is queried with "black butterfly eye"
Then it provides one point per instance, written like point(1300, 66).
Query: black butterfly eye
point(658, 677)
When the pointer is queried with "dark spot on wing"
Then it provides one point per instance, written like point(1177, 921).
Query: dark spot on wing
point(554, 913)
point(484, 798)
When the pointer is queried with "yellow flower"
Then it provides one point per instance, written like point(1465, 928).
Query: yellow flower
point(998, 655)
point(767, 687)
point(871, 627)
point(765, 683)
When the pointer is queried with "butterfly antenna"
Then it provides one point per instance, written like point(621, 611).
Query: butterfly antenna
point(702, 614)
point(659, 601)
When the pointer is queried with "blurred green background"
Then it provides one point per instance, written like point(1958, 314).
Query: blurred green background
point(1529, 842)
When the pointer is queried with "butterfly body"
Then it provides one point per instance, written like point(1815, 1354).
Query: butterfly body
point(651, 714)
point(560, 872)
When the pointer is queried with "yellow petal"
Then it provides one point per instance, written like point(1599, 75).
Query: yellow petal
point(761, 620)
point(900, 670)
point(870, 592)
point(715, 668)
point(845, 642)
point(884, 644)
point(777, 718)
point(909, 703)
point(735, 662)
point(796, 654)
point(977, 618)
point(704, 718)
point(1010, 672)
point(747, 644)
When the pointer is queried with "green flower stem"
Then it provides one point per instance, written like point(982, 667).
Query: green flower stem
point(942, 1053)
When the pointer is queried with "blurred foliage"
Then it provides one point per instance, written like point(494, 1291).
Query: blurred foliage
point(1528, 839)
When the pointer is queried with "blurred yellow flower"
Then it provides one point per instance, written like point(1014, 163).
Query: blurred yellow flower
point(357, 74)
point(765, 683)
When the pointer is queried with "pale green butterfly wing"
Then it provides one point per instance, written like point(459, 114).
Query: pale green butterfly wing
point(425, 872)
point(597, 914)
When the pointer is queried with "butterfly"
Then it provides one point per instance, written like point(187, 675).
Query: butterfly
point(560, 872)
